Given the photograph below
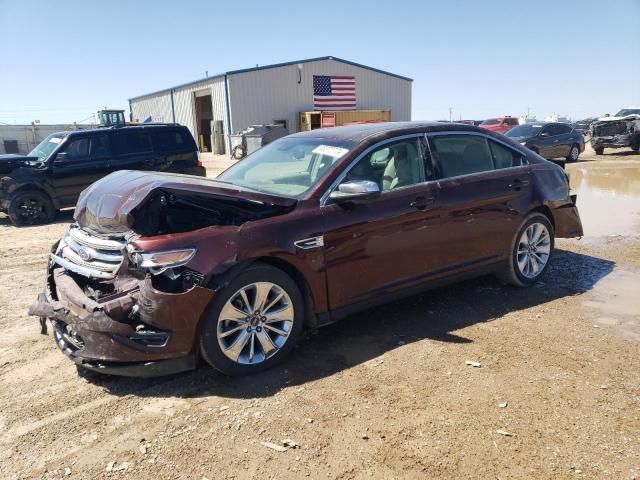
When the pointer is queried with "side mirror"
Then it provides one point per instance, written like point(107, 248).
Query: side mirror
point(61, 158)
point(355, 190)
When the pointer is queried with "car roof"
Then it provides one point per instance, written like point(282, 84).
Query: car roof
point(358, 133)
point(547, 123)
point(124, 128)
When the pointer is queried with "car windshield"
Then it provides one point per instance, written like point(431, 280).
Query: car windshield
point(44, 148)
point(628, 111)
point(491, 121)
point(525, 130)
point(288, 167)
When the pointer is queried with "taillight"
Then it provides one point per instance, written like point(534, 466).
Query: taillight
point(199, 163)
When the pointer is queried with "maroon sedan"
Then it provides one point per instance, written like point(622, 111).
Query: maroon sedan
point(162, 269)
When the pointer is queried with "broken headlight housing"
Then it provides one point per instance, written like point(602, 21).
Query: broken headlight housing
point(161, 260)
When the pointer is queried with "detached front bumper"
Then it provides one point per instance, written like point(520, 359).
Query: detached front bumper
point(139, 332)
point(613, 141)
point(567, 220)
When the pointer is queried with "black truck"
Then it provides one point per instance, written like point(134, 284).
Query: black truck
point(34, 186)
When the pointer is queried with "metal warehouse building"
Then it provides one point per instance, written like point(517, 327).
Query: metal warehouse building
point(273, 94)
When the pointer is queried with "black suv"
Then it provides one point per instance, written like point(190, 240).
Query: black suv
point(52, 175)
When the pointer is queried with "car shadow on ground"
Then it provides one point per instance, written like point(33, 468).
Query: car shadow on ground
point(437, 315)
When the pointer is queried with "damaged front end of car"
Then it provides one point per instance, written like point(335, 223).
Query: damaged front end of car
point(616, 133)
point(127, 285)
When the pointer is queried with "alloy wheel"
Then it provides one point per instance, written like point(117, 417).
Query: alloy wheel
point(534, 248)
point(255, 323)
point(30, 210)
point(574, 153)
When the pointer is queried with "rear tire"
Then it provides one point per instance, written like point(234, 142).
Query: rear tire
point(253, 323)
point(599, 150)
point(30, 207)
point(531, 251)
point(574, 153)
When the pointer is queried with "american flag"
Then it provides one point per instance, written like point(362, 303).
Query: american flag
point(332, 92)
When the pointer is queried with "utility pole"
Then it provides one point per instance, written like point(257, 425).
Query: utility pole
point(450, 114)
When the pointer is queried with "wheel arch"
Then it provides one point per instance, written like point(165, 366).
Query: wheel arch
point(546, 211)
point(34, 187)
point(310, 318)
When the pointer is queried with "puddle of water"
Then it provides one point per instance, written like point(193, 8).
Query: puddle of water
point(617, 302)
point(608, 199)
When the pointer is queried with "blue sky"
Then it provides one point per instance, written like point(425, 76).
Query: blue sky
point(63, 60)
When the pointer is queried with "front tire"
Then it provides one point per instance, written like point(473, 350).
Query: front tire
point(599, 150)
point(253, 323)
point(30, 207)
point(531, 251)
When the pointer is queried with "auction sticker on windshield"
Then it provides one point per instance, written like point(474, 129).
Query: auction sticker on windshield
point(55, 140)
point(330, 151)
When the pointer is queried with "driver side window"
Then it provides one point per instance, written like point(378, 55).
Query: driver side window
point(391, 166)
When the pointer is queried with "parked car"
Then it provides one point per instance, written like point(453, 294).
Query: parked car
point(584, 125)
point(159, 270)
point(550, 140)
point(34, 186)
point(499, 124)
point(621, 130)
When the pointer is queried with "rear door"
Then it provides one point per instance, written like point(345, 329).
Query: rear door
point(565, 140)
point(484, 190)
point(88, 158)
point(547, 141)
point(175, 150)
point(133, 150)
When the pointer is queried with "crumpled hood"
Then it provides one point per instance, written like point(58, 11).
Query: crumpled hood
point(615, 119)
point(107, 206)
point(10, 161)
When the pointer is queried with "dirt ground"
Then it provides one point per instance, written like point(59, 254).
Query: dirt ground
point(384, 394)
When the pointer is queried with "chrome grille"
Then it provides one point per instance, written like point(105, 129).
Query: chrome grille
point(88, 255)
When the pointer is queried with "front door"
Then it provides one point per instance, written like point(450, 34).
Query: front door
point(377, 246)
point(86, 160)
point(483, 195)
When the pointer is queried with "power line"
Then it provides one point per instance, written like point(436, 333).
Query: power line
point(49, 110)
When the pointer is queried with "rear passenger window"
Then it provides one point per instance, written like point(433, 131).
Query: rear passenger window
point(99, 147)
point(126, 143)
point(455, 155)
point(505, 157)
point(170, 141)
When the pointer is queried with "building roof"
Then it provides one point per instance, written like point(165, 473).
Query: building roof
point(266, 67)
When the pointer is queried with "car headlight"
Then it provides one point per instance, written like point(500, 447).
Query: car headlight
point(523, 143)
point(163, 259)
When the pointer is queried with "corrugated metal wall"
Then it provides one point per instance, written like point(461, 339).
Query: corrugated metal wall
point(262, 96)
point(158, 106)
point(184, 102)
